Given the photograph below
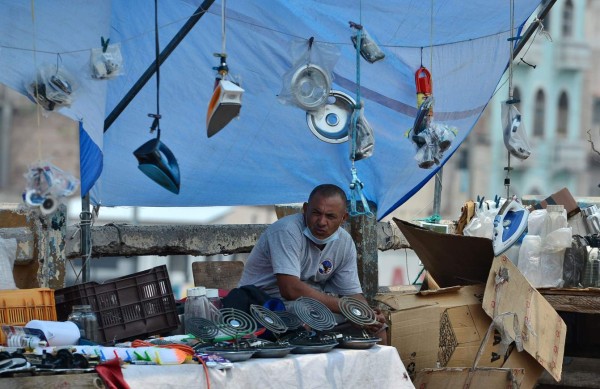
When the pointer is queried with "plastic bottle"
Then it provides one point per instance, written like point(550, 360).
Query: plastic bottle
point(529, 259)
point(196, 305)
point(591, 273)
point(552, 260)
point(86, 321)
point(592, 219)
point(28, 342)
point(213, 297)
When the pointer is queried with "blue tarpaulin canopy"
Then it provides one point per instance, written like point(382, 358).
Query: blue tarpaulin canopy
point(268, 155)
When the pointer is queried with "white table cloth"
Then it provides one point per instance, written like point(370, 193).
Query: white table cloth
point(379, 367)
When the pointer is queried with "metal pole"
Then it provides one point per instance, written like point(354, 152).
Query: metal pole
point(187, 27)
point(437, 193)
point(85, 218)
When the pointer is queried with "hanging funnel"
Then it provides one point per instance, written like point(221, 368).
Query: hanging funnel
point(159, 164)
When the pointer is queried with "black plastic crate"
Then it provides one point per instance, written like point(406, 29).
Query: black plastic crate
point(136, 305)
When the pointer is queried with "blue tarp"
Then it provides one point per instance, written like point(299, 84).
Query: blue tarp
point(268, 155)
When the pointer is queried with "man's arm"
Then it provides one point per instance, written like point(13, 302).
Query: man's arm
point(291, 288)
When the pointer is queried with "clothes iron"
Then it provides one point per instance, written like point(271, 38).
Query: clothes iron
point(225, 105)
point(509, 225)
point(158, 163)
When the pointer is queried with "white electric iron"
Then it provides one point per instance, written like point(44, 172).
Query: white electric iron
point(509, 225)
point(225, 105)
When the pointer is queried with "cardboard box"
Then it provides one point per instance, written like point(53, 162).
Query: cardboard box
point(450, 259)
point(444, 329)
point(541, 329)
point(452, 378)
point(562, 197)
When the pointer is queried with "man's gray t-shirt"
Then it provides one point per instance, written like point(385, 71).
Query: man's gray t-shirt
point(284, 249)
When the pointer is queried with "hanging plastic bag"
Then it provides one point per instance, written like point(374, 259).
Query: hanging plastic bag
point(47, 185)
point(574, 263)
point(308, 83)
point(482, 224)
point(535, 221)
point(53, 87)
point(529, 262)
point(106, 62)
point(430, 138)
point(365, 140)
point(444, 134)
point(369, 49)
point(515, 136)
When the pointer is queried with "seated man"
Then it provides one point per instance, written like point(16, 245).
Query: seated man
point(310, 255)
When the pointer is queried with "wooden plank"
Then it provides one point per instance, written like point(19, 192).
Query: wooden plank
point(217, 274)
point(575, 302)
point(58, 381)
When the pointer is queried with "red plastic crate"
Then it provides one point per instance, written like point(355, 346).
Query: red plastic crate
point(133, 306)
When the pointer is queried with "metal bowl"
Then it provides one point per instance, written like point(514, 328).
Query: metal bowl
point(331, 123)
point(231, 355)
point(273, 352)
point(316, 348)
point(358, 343)
point(310, 86)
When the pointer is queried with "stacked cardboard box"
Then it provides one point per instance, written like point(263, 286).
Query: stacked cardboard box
point(441, 334)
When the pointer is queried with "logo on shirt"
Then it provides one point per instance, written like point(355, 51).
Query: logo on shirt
point(325, 267)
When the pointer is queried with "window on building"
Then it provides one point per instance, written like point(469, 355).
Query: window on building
point(563, 115)
point(567, 19)
point(596, 111)
point(517, 96)
point(539, 113)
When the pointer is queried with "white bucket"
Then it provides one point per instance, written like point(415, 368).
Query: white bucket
point(58, 333)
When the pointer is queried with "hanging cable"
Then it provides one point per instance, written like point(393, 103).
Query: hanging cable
point(510, 89)
point(156, 116)
point(223, 32)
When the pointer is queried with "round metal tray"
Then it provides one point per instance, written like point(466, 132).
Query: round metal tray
point(273, 352)
point(331, 123)
point(358, 343)
point(231, 355)
point(313, 348)
point(310, 86)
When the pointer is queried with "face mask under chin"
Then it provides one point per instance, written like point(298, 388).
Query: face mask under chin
point(318, 241)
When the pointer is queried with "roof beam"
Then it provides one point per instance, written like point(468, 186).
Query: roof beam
point(137, 87)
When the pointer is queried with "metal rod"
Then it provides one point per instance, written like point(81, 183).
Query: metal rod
point(437, 193)
point(137, 87)
point(532, 28)
point(85, 218)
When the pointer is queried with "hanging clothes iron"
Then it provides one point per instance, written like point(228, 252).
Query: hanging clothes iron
point(509, 225)
point(224, 106)
point(157, 162)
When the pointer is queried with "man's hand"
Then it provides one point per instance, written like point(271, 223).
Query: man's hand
point(381, 322)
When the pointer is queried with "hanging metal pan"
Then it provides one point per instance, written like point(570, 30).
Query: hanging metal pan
point(331, 123)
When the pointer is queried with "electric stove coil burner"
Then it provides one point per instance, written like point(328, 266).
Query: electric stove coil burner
point(268, 319)
point(314, 313)
point(201, 328)
point(358, 312)
point(236, 323)
point(289, 319)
